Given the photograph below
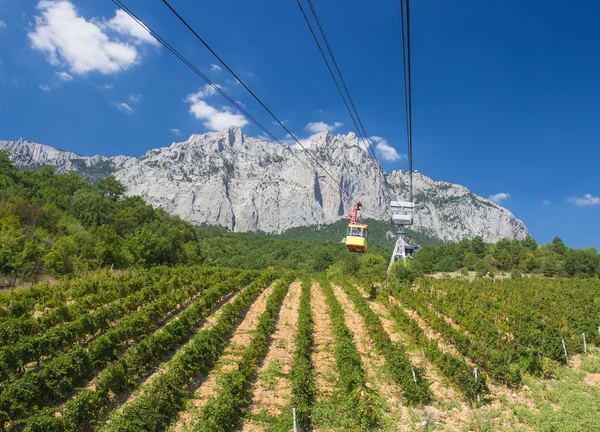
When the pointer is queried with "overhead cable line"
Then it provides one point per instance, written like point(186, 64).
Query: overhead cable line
point(407, 86)
point(343, 82)
point(218, 89)
point(191, 66)
point(256, 98)
point(358, 129)
point(339, 72)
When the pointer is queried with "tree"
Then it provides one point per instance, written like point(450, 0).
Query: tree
point(558, 246)
point(478, 246)
point(582, 263)
point(550, 266)
point(63, 256)
point(529, 243)
point(373, 267)
point(12, 239)
point(351, 265)
point(481, 267)
point(503, 255)
point(8, 172)
point(405, 272)
point(111, 187)
point(322, 260)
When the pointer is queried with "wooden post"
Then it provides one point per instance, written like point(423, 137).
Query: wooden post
point(475, 373)
point(565, 349)
point(413, 374)
point(584, 343)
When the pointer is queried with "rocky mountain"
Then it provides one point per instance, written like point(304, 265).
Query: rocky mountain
point(243, 183)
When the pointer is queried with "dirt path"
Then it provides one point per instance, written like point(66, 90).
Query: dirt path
point(202, 325)
point(430, 332)
point(501, 399)
point(326, 374)
point(397, 415)
point(272, 391)
point(208, 386)
point(439, 386)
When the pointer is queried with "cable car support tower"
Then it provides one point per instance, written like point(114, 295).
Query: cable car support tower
point(402, 217)
point(402, 211)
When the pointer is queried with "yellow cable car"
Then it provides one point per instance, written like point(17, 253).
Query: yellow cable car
point(357, 233)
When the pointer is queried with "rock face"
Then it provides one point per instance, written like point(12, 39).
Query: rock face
point(243, 183)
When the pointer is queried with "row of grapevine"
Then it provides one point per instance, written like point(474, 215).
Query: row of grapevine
point(14, 357)
point(456, 370)
point(156, 408)
point(43, 296)
point(223, 412)
point(415, 388)
point(81, 296)
point(535, 313)
point(302, 372)
point(59, 376)
point(361, 400)
point(506, 360)
point(86, 410)
point(499, 365)
point(21, 302)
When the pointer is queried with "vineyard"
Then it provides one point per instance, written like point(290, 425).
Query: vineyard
point(217, 349)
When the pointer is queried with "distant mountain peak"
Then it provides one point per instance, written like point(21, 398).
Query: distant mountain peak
point(229, 179)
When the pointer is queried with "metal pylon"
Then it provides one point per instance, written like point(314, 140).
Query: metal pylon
point(399, 250)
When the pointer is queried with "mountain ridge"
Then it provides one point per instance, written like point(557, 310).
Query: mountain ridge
point(244, 183)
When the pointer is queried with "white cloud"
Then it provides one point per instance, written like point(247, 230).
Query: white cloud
point(240, 103)
point(207, 91)
point(135, 97)
point(499, 197)
point(82, 45)
point(64, 76)
point(125, 25)
point(264, 137)
point(214, 118)
point(585, 201)
point(106, 86)
point(306, 143)
point(2, 24)
point(44, 87)
point(214, 67)
point(316, 127)
point(122, 106)
point(175, 131)
point(546, 203)
point(384, 149)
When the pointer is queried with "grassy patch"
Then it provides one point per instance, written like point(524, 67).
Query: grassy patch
point(591, 363)
point(271, 373)
point(566, 405)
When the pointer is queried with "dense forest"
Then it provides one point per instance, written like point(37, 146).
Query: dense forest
point(61, 224)
point(515, 256)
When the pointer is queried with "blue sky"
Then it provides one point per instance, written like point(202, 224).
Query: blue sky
point(505, 95)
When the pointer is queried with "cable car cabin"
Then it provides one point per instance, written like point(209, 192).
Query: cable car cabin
point(356, 237)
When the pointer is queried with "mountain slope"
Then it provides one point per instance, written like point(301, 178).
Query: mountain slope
point(243, 183)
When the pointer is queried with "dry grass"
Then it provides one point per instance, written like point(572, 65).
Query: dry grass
point(207, 386)
point(272, 391)
point(326, 374)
